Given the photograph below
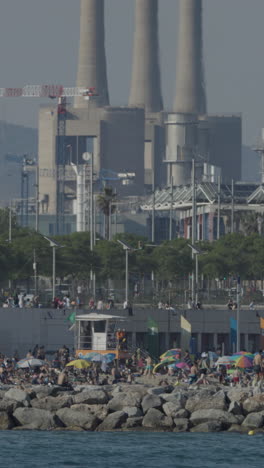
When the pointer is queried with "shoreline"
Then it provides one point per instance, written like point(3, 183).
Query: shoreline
point(133, 407)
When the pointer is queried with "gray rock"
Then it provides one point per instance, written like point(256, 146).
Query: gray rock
point(72, 417)
point(133, 411)
point(170, 408)
point(208, 415)
point(235, 408)
point(6, 421)
point(132, 422)
point(51, 403)
point(253, 420)
point(91, 397)
point(182, 413)
point(42, 391)
point(17, 395)
point(37, 418)
point(100, 411)
point(113, 421)
point(182, 424)
point(176, 396)
point(123, 400)
point(205, 400)
point(9, 405)
point(238, 428)
point(155, 419)
point(151, 401)
point(212, 426)
point(239, 394)
point(254, 404)
point(155, 390)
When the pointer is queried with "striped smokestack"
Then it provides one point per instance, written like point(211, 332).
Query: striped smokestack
point(92, 58)
point(190, 95)
point(146, 84)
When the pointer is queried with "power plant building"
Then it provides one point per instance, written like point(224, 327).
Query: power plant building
point(142, 138)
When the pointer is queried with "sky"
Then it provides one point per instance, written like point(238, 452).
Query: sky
point(39, 44)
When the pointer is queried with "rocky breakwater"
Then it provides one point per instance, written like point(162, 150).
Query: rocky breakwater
point(132, 407)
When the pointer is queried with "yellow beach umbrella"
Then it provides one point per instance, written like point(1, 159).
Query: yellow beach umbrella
point(79, 364)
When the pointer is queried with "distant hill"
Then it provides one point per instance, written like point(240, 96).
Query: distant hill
point(14, 140)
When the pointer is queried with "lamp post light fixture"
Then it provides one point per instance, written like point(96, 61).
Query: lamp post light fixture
point(54, 245)
point(126, 248)
point(195, 253)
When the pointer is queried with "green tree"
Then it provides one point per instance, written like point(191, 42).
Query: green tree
point(106, 202)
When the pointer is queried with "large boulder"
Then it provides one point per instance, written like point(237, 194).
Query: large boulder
point(9, 405)
point(72, 417)
point(176, 397)
point(113, 421)
point(122, 400)
point(239, 394)
point(235, 408)
point(156, 419)
point(254, 404)
point(205, 400)
point(182, 413)
point(181, 425)
point(91, 396)
point(212, 426)
point(254, 420)
point(100, 411)
point(151, 401)
point(18, 395)
point(171, 409)
point(51, 403)
point(35, 418)
point(132, 423)
point(238, 428)
point(133, 411)
point(208, 415)
point(157, 390)
point(6, 421)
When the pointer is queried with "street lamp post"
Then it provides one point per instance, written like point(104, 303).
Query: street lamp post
point(53, 245)
point(195, 279)
point(238, 312)
point(126, 248)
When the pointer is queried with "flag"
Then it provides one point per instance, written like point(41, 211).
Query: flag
point(233, 334)
point(72, 317)
point(186, 333)
point(152, 327)
point(261, 323)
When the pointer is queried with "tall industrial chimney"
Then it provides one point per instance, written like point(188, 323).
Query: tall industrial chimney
point(190, 87)
point(146, 84)
point(190, 100)
point(92, 59)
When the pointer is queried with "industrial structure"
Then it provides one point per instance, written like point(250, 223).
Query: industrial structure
point(83, 139)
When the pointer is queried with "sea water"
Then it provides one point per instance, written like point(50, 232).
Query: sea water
point(123, 449)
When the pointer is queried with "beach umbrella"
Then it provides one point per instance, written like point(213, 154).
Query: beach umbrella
point(182, 365)
point(79, 364)
point(244, 362)
point(30, 362)
point(243, 353)
point(165, 362)
point(224, 361)
point(110, 357)
point(99, 358)
point(90, 356)
point(171, 352)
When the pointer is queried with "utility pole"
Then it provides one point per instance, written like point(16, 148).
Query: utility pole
point(218, 207)
point(232, 206)
point(37, 198)
point(193, 223)
point(171, 209)
point(238, 312)
point(35, 273)
point(10, 222)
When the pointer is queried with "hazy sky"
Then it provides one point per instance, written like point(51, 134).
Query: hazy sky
point(39, 44)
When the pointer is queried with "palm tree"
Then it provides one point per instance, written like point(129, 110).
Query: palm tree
point(106, 202)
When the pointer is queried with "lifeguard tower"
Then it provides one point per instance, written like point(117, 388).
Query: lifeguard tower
point(97, 332)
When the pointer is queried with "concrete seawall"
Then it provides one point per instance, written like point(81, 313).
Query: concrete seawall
point(21, 329)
